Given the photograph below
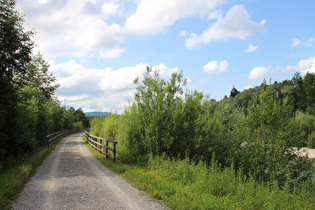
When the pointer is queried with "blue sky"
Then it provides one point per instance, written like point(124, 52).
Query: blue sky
point(96, 48)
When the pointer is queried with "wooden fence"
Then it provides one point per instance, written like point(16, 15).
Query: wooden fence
point(97, 143)
point(52, 138)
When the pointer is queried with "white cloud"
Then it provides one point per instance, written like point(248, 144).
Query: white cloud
point(258, 72)
point(99, 89)
point(182, 33)
point(263, 22)
point(295, 43)
point(309, 42)
point(252, 48)
point(154, 16)
point(304, 66)
point(236, 24)
point(74, 27)
point(42, 1)
point(215, 67)
point(83, 27)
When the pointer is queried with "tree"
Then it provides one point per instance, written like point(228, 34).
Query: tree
point(309, 90)
point(80, 117)
point(15, 44)
point(156, 100)
point(161, 120)
point(36, 87)
point(215, 130)
point(266, 138)
point(233, 92)
point(37, 76)
point(15, 51)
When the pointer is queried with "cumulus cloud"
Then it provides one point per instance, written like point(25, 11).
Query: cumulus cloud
point(82, 27)
point(258, 72)
point(74, 27)
point(99, 89)
point(215, 67)
point(236, 24)
point(154, 16)
point(304, 66)
point(252, 48)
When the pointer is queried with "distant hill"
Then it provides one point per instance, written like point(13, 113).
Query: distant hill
point(98, 114)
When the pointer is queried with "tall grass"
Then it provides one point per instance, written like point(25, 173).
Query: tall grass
point(181, 184)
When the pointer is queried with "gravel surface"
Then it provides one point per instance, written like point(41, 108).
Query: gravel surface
point(72, 178)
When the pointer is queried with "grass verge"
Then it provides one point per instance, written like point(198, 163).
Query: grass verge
point(13, 180)
point(182, 185)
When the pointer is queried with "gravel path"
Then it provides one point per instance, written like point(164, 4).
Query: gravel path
point(72, 178)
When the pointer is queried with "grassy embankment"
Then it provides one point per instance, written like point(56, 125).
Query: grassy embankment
point(14, 179)
point(181, 185)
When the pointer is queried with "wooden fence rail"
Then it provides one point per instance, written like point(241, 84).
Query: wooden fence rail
point(97, 143)
point(52, 138)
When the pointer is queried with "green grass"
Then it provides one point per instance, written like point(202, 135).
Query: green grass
point(181, 185)
point(13, 180)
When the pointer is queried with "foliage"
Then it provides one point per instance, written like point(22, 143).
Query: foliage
point(105, 127)
point(15, 48)
point(267, 138)
point(304, 124)
point(256, 138)
point(37, 76)
point(161, 119)
point(215, 130)
point(15, 44)
point(233, 92)
point(186, 185)
point(28, 110)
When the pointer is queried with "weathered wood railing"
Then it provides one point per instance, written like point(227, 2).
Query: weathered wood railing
point(97, 143)
point(52, 138)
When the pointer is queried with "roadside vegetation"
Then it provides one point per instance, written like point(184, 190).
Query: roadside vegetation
point(194, 152)
point(28, 109)
point(182, 147)
point(181, 184)
point(13, 180)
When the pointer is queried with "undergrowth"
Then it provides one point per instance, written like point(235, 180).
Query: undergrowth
point(185, 185)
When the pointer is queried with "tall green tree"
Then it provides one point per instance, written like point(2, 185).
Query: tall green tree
point(266, 139)
point(233, 92)
point(37, 76)
point(15, 51)
point(36, 88)
point(161, 120)
point(15, 43)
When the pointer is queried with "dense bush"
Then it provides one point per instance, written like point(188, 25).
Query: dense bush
point(161, 119)
point(256, 139)
point(305, 125)
point(105, 127)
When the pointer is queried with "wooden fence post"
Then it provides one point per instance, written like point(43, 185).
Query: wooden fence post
point(100, 145)
point(106, 149)
point(114, 152)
